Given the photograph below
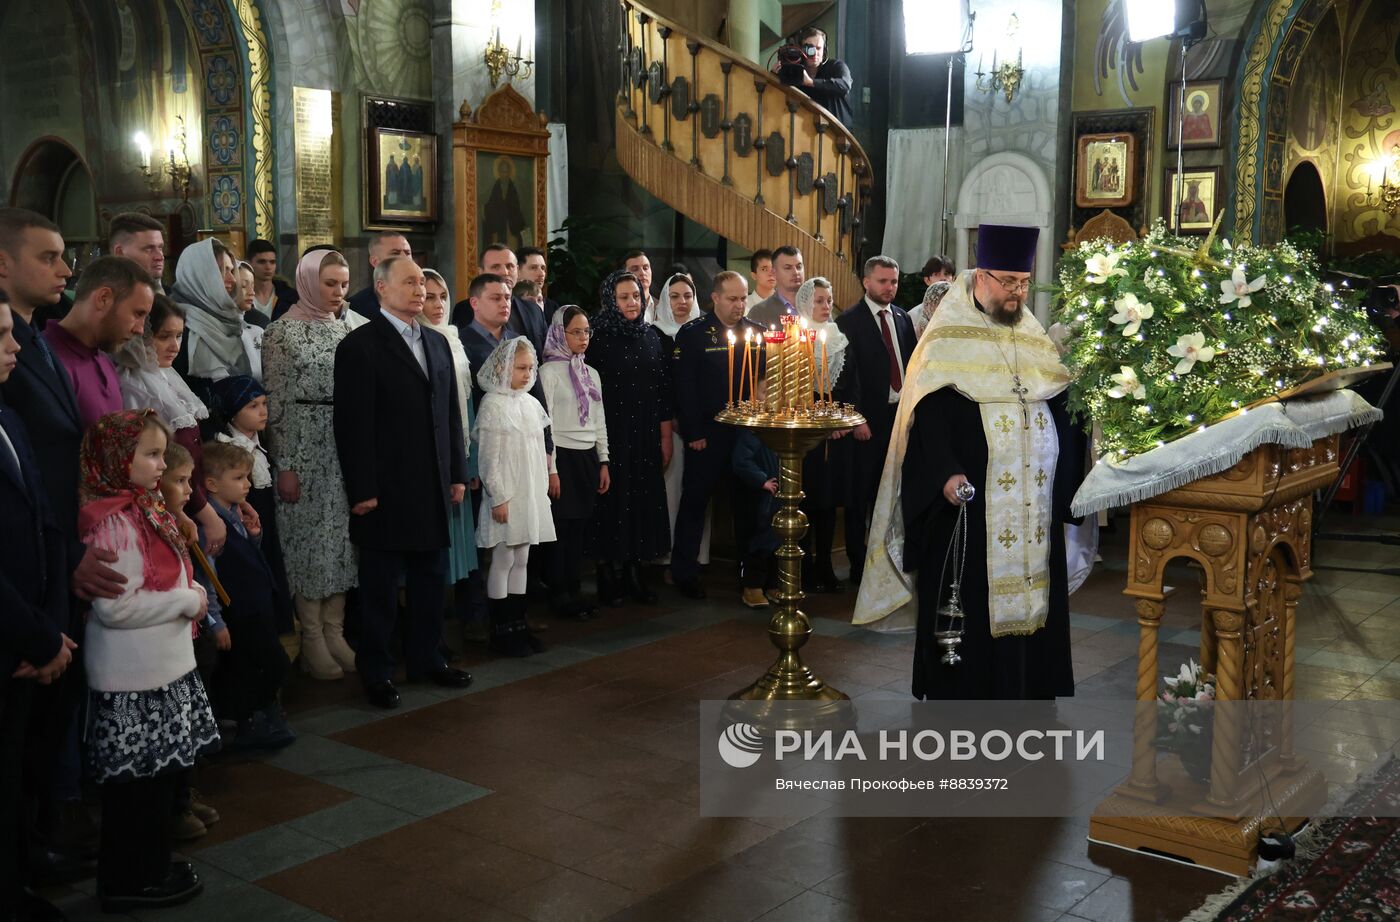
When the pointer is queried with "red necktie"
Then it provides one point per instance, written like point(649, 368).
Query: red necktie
point(896, 379)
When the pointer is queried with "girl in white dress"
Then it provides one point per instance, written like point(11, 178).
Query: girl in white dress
point(517, 481)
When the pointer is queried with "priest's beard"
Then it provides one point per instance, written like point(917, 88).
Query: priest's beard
point(1007, 312)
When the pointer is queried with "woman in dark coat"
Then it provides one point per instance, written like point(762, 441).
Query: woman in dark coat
point(630, 524)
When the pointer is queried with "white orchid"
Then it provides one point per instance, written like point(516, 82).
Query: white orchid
point(1127, 384)
point(1130, 311)
point(1190, 348)
point(1236, 288)
point(1099, 269)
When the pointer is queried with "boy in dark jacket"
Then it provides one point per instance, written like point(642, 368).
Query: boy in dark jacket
point(756, 469)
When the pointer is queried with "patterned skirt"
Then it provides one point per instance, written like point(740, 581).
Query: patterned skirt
point(144, 734)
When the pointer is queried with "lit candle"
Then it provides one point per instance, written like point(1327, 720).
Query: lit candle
point(753, 369)
point(744, 368)
point(826, 369)
point(731, 368)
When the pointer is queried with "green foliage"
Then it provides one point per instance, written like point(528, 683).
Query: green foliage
point(1200, 352)
point(577, 268)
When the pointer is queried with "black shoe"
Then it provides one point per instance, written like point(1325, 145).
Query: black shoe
point(177, 888)
point(527, 636)
point(690, 588)
point(48, 868)
point(506, 634)
point(637, 586)
point(580, 607)
point(383, 695)
point(35, 908)
point(825, 577)
point(610, 590)
point(447, 677)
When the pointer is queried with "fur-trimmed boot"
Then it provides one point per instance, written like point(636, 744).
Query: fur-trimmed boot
point(316, 660)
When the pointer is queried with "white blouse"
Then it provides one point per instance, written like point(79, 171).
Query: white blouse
point(563, 411)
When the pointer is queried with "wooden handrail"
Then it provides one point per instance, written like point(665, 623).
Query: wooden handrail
point(732, 147)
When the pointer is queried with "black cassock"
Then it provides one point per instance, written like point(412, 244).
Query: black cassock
point(947, 439)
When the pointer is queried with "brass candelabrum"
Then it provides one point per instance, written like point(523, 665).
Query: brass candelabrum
point(792, 414)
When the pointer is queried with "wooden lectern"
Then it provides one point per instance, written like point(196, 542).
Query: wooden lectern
point(1250, 529)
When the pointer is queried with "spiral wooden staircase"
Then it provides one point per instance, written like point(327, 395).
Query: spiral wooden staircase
point(725, 143)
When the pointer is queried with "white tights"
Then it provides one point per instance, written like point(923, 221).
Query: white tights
point(508, 570)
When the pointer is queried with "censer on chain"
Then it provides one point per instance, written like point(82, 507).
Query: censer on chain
point(948, 626)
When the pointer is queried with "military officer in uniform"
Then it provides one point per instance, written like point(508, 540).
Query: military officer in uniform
point(702, 390)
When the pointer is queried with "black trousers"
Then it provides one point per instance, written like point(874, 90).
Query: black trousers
point(253, 669)
point(869, 465)
point(423, 575)
point(15, 698)
point(136, 832)
point(706, 473)
point(566, 563)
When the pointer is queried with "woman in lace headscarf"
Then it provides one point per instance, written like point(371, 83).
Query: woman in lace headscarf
point(630, 522)
point(678, 305)
point(517, 481)
point(827, 468)
point(461, 557)
point(922, 314)
point(299, 352)
point(145, 368)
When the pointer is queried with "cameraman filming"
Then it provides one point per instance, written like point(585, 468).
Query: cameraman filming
point(802, 63)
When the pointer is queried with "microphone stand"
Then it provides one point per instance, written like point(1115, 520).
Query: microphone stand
point(948, 125)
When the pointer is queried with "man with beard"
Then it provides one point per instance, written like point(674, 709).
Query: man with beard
point(984, 403)
point(881, 339)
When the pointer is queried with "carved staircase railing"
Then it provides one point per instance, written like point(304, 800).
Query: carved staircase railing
point(725, 143)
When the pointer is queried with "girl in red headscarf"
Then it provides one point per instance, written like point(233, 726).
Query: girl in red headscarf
point(148, 715)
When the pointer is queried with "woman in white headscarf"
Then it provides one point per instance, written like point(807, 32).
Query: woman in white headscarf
point(827, 468)
point(461, 557)
point(678, 305)
point(218, 341)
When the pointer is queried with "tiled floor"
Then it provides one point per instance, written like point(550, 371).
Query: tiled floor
point(565, 786)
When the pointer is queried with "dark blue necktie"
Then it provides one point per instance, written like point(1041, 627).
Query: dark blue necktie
point(45, 351)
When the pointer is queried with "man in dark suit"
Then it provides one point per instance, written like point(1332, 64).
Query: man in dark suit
point(33, 619)
point(788, 276)
point(383, 245)
point(702, 362)
point(398, 433)
point(881, 340)
point(534, 265)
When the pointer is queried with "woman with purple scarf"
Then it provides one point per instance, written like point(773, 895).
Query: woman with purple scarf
point(575, 399)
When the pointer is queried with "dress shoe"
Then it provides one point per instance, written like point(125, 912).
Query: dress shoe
point(207, 814)
point(186, 827)
point(35, 908)
point(755, 597)
point(610, 588)
point(637, 586)
point(690, 588)
point(383, 695)
point(448, 677)
point(181, 885)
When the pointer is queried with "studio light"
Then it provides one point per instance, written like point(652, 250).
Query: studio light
point(934, 26)
point(1149, 19)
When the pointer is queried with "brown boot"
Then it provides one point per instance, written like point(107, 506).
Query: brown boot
point(316, 660)
point(333, 630)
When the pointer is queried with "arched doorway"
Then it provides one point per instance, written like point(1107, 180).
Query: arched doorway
point(1008, 188)
point(1305, 200)
point(53, 179)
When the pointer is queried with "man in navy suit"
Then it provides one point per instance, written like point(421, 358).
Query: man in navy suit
point(882, 339)
point(33, 618)
point(398, 432)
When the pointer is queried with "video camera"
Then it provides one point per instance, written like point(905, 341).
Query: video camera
point(792, 59)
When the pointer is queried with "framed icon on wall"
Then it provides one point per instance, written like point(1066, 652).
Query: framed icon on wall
point(1201, 126)
point(1106, 170)
point(1193, 199)
point(402, 177)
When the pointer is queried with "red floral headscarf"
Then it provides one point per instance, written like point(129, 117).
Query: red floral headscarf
point(105, 490)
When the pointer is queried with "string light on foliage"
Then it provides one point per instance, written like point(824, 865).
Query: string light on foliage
point(1159, 323)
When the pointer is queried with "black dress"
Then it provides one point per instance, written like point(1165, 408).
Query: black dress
point(630, 520)
point(947, 439)
point(827, 469)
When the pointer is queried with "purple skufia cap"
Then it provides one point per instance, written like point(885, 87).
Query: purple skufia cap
point(1006, 247)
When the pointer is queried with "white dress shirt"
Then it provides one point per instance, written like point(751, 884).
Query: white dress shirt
point(413, 336)
point(875, 310)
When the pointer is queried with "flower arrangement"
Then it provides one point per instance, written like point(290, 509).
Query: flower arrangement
point(1184, 718)
point(1166, 335)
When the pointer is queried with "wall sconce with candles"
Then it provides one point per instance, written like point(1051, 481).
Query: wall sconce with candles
point(1387, 196)
point(177, 162)
point(500, 61)
point(1007, 76)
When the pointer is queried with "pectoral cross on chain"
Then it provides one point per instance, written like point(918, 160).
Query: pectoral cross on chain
point(1021, 391)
